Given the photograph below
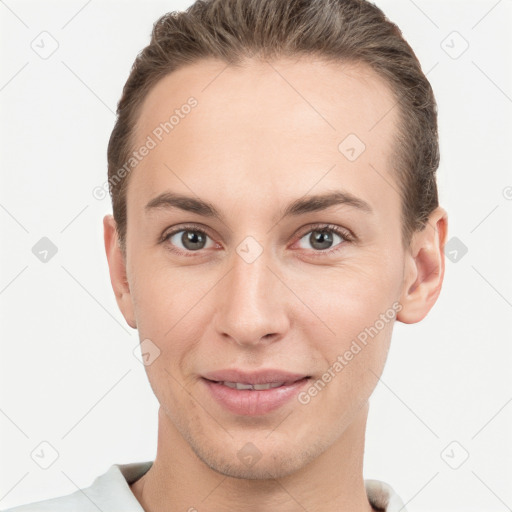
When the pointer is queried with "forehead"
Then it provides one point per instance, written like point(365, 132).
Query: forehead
point(282, 124)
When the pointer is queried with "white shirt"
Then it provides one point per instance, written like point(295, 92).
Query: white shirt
point(110, 492)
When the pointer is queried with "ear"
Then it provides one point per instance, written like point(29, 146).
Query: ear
point(117, 269)
point(424, 269)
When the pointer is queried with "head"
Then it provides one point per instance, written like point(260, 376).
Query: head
point(304, 137)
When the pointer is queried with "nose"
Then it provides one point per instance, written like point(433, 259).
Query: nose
point(252, 304)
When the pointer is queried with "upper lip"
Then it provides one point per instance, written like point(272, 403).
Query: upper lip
point(256, 377)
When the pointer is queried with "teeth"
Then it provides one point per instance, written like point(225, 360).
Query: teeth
point(256, 387)
point(268, 386)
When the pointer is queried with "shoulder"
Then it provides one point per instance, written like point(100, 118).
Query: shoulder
point(383, 497)
point(76, 501)
point(109, 492)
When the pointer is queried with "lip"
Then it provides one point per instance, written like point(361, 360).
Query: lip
point(257, 377)
point(246, 402)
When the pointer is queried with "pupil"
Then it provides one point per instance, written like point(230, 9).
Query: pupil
point(191, 240)
point(321, 239)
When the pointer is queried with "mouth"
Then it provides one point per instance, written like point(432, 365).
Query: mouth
point(256, 380)
point(256, 387)
point(250, 394)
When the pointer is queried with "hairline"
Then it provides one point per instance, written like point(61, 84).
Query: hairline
point(395, 161)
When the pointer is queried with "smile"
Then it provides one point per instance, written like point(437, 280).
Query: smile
point(256, 398)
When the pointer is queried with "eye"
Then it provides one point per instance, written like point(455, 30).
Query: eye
point(188, 239)
point(323, 238)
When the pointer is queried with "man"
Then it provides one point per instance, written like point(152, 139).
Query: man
point(275, 211)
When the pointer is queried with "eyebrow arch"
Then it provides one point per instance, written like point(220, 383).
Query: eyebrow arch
point(298, 207)
point(323, 201)
point(189, 204)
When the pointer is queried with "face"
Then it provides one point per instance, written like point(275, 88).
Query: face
point(284, 266)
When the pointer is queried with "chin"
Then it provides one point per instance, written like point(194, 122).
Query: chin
point(261, 470)
point(250, 463)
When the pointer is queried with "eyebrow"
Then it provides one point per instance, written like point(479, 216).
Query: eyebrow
point(300, 206)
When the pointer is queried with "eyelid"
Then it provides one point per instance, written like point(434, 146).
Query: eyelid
point(343, 232)
point(185, 227)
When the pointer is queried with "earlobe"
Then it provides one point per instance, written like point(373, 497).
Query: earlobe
point(117, 270)
point(424, 273)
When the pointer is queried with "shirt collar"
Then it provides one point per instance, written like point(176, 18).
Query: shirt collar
point(380, 495)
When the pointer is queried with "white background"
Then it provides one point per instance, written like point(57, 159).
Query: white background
point(68, 375)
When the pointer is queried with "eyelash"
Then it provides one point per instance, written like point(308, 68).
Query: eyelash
point(343, 233)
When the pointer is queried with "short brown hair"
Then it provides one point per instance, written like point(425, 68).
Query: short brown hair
point(337, 30)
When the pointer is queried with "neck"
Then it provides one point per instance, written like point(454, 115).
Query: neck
point(179, 480)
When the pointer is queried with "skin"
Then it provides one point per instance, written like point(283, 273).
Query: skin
point(263, 135)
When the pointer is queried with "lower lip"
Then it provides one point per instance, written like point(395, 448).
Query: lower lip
point(249, 402)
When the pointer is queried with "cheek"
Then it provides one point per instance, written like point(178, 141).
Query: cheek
point(172, 310)
point(162, 295)
point(167, 303)
point(350, 360)
point(356, 290)
point(351, 310)
point(359, 331)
